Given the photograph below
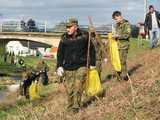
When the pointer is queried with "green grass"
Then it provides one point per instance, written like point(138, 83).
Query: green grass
point(7, 68)
point(2, 87)
point(5, 112)
point(32, 61)
point(13, 70)
point(134, 49)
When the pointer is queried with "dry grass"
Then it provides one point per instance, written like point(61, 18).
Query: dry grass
point(118, 103)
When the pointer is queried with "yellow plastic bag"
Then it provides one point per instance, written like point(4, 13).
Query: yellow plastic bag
point(114, 53)
point(34, 91)
point(93, 84)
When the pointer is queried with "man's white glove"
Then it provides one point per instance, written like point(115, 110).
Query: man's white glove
point(92, 67)
point(60, 71)
point(105, 41)
point(105, 60)
point(36, 81)
point(147, 36)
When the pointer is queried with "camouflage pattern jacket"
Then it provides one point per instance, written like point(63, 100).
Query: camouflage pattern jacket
point(123, 30)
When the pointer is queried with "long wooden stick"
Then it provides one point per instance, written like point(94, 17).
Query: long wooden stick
point(98, 39)
point(88, 53)
point(88, 50)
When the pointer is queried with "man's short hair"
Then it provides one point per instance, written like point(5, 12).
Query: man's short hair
point(116, 14)
point(151, 6)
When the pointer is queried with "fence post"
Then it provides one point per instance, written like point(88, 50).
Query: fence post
point(1, 26)
point(45, 26)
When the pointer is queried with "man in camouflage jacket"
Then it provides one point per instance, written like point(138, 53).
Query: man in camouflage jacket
point(122, 34)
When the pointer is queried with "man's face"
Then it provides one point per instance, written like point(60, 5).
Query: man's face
point(151, 10)
point(71, 29)
point(118, 19)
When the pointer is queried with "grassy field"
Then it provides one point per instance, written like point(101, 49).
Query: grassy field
point(20, 109)
point(12, 70)
point(9, 69)
point(135, 49)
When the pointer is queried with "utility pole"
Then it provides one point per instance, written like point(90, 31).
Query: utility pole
point(145, 12)
point(145, 7)
point(1, 22)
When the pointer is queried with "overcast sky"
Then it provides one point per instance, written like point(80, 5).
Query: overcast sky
point(55, 11)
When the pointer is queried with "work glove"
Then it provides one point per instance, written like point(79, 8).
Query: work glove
point(104, 41)
point(37, 73)
point(92, 67)
point(60, 71)
point(147, 36)
point(105, 60)
point(36, 81)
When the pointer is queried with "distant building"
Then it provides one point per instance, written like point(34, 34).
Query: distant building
point(16, 47)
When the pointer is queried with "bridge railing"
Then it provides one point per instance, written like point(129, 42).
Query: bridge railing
point(18, 26)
